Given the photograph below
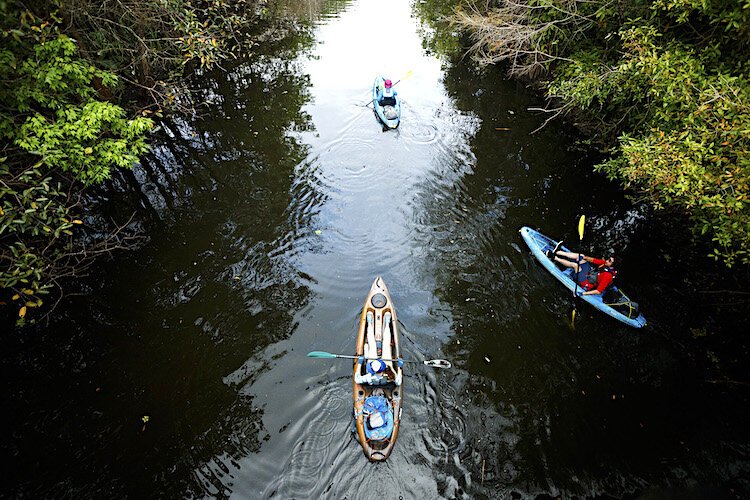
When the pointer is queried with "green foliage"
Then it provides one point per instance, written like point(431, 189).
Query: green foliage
point(732, 18)
point(57, 137)
point(62, 64)
point(686, 134)
point(87, 140)
point(666, 84)
point(37, 210)
point(34, 213)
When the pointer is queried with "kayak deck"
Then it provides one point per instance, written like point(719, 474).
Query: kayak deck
point(617, 304)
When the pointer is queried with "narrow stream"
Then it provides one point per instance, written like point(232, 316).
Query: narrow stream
point(278, 209)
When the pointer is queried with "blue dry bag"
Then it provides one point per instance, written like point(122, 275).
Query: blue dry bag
point(378, 418)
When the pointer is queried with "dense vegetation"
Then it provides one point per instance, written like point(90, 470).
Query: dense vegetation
point(79, 84)
point(664, 85)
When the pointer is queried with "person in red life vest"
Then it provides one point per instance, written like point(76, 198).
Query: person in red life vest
point(593, 275)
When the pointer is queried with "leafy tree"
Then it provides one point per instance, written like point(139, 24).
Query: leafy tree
point(692, 149)
point(62, 68)
point(57, 136)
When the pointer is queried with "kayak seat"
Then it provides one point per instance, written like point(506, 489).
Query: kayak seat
point(388, 101)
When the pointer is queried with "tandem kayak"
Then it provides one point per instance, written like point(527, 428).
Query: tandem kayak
point(387, 109)
point(377, 404)
point(613, 301)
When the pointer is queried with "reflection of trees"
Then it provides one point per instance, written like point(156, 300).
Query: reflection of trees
point(239, 161)
point(550, 404)
point(248, 114)
point(470, 205)
point(437, 35)
point(462, 208)
point(514, 416)
point(313, 9)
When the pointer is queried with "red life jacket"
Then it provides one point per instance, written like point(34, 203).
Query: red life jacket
point(592, 277)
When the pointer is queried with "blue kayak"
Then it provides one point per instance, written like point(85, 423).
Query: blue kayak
point(612, 302)
point(388, 109)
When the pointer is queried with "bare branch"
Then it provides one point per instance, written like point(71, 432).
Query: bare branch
point(510, 33)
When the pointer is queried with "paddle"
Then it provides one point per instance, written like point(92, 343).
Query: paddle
point(434, 363)
point(581, 223)
point(406, 75)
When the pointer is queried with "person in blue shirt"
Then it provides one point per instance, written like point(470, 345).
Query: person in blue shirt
point(378, 373)
point(387, 94)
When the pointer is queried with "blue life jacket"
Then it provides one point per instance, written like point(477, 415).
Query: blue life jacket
point(386, 97)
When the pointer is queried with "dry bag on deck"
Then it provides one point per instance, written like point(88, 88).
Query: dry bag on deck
point(378, 418)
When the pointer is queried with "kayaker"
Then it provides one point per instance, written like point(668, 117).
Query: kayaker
point(377, 373)
point(387, 94)
point(594, 275)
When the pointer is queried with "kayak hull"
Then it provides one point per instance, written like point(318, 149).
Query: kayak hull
point(381, 112)
point(539, 244)
point(379, 306)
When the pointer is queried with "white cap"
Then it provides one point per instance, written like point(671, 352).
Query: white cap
point(375, 366)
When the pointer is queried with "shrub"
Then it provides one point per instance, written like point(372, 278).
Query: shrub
point(57, 137)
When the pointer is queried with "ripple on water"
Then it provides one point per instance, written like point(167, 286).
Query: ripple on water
point(315, 438)
point(214, 477)
point(452, 423)
point(421, 132)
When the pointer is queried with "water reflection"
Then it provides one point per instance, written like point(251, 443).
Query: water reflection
point(355, 193)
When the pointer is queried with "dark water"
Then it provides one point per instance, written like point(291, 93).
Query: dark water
point(274, 213)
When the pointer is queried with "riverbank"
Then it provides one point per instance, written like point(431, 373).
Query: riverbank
point(84, 91)
point(661, 87)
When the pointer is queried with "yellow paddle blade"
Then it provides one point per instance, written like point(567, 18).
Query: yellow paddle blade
point(581, 223)
point(407, 75)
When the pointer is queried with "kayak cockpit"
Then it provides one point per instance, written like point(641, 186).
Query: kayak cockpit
point(377, 419)
point(617, 300)
point(387, 101)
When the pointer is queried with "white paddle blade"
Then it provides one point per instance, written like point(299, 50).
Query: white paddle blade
point(438, 363)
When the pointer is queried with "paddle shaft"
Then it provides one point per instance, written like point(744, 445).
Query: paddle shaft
point(434, 363)
point(381, 359)
point(581, 224)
